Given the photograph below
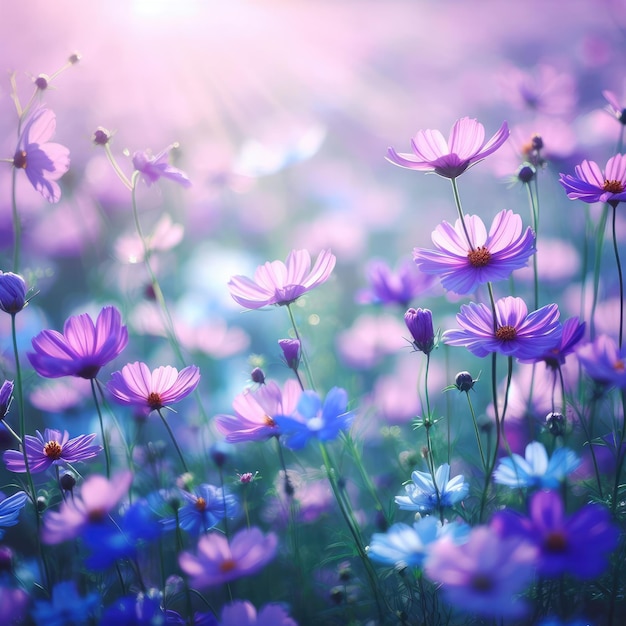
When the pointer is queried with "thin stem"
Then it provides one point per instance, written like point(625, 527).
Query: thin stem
point(171, 434)
point(477, 431)
point(596, 269)
point(305, 359)
point(457, 202)
point(534, 215)
point(17, 224)
point(620, 277)
point(105, 441)
point(118, 170)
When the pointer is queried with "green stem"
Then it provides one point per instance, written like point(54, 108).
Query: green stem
point(105, 441)
point(477, 431)
point(596, 269)
point(534, 214)
point(305, 359)
point(171, 434)
point(457, 202)
point(619, 275)
point(17, 224)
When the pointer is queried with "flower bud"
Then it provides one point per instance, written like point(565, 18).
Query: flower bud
point(41, 82)
point(74, 58)
point(556, 424)
point(291, 352)
point(463, 381)
point(420, 324)
point(101, 136)
point(258, 376)
point(6, 397)
point(537, 142)
point(12, 292)
point(219, 454)
point(526, 173)
point(68, 482)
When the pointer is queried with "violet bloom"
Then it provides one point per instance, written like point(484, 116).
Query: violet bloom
point(152, 168)
point(12, 292)
point(6, 398)
point(255, 412)
point(82, 349)
point(13, 604)
point(571, 336)
point(51, 448)
point(604, 362)
point(420, 325)
point(243, 613)
point(220, 561)
point(463, 267)
point(98, 497)
point(465, 147)
point(281, 283)
point(135, 385)
point(291, 350)
point(591, 185)
point(517, 333)
point(10, 509)
point(44, 162)
point(579, 544)
point(485, 575)
point(615, 108)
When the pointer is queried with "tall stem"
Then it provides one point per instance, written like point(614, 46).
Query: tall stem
point(171, 434)
point(305, 359)
point(105, 440)
point(457, 202)
point(619, 275)
point(17, 224)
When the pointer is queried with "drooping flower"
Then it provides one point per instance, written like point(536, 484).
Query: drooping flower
point(420, 325)
point(12, 292)
point(255, 412)
point(603, 361)
point(281, 283)
point(135, 385)
point(534, 470)
point(66, 606)
point(485, 575)
point(424, 494)
point(243, 613)
point(152, 168)
point(517, 333)
point(579, 544)
point(615, 108)
point(51, 448)
point(465, 147)
point(490, 258)
point(44, 162)
point(6, 397)
point(573, 332)
point(590, 184)
point(312, 419)
point(220, 561)
point(83, 348)
point(10, 509)
point(291, 350)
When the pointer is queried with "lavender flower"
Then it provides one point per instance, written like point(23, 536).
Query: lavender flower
point(461, 267)
point(615, 108)
point(465, 147)
point(137, 386)
point(281, 283)
point(517, 333)
point(604, 362)
point(152, 168)
point(590, 184)
point(10, 509)
point(291, 352)
point(44, 162)
point(82, 349)
point(243, 613)
point(420, 325)
point(220, 561)
point(6, 397)
point(12, 292)
point(571, 336)
point(51, 448)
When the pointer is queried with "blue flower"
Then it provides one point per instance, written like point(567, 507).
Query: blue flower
point(536, 471)
point(10, 509)
point(323, 422)
point(66, 607)
point(425, 495)
point(141, 610)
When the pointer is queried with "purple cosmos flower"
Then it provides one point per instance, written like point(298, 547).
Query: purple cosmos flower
point(98, 496)
point(420, 325)
point(137, 386)
point(615, 108)
point(535, 470)
point(219, 561)
point(572, 334)
point(255, 412)
point(152, 168)
point(281, 283)
point(10, 509)
point(291, 352)
point(484, 575)
point(604, 362)
point(517, 333)
point(465, 147)
point(424, 494)
point(51, 448)
point(83, 348)
point(313, 419)
point(579, 544)
point(43, 162)
point(12, 292)
point(6, 397)
point(242, 613)
point(490, 258)
point(399, 287)
point(591, 185)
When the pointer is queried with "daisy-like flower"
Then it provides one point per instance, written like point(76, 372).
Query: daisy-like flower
point(465, 147)
point(137, 386)
point(281, 283)
point(243, 613)
point(573, 332)
point(590, 184)
point(615, 108)
point(82, 349)
point(534, 470)
point(517, 333)
point(425, 495)
point(255, 412)
point(51, 448)
point(220, 561)
point(152, 168)
point(43, 162)
point(604, 362)
point(10, 509)
point(461, 267)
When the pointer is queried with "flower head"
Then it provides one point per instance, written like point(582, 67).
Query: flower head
point(420, 325)
point(137, 386)
point(83, 348)
point(44, 162)
point(465, 147)
point(66, 606)
point(51, 448)
point(590, 184)
point(6, 397)
point(291, 352)
point(10, 509)
point(152, 168)
point(614, 107)
point(604, 362)
point(281, 283)
point(573, 332)
point(517, 333)
point(220, 561)
point(12, 292)
point(243, 613)
point(461, 267)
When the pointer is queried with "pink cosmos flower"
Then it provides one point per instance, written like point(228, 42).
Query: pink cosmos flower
point(82, 349)
point(152, 168)
point(591, 185)
point(98, 497)
point(281, 283)
point(136, 385)
point(51, 448)
point(44, 162)
point(219, 561)
point(490, 258)
point(465, 147)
